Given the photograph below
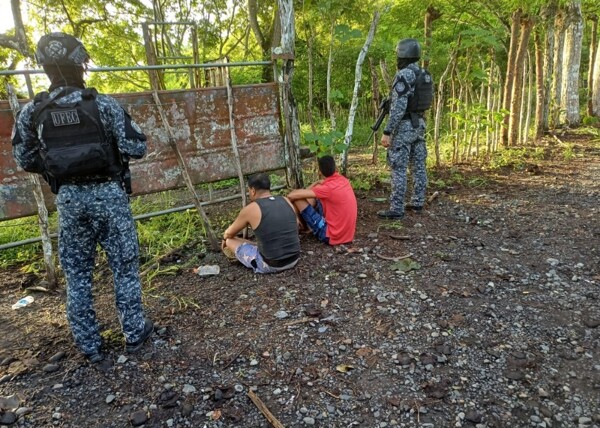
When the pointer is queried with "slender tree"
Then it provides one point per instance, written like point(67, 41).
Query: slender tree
point(572, 55)
point(516, 93)
point(592, 61)
point(511, 69)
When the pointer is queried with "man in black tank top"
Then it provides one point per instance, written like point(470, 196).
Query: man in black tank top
point(275, 225)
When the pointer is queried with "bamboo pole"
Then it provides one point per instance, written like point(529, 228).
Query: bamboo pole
point(186, 176)
point(41, 205)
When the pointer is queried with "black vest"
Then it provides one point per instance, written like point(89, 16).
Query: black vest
point(73, 141)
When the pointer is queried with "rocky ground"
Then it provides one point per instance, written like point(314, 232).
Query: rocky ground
point(481, 312)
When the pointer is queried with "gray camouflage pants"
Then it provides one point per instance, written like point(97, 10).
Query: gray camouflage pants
point(94, 214)
point(408, 149)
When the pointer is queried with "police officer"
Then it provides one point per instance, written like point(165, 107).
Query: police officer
point(404, 134)
point(92, 203)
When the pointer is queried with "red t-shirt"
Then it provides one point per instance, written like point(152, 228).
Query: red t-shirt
point(339, 208)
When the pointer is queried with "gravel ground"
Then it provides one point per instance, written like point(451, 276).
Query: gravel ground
point(491, 321)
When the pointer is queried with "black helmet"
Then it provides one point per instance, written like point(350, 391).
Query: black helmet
point(408, 48)
point(61, 49)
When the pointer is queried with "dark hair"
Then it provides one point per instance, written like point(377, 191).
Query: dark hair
point(259, 182)
point(327, 165)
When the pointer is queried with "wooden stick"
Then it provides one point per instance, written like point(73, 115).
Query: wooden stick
point(186, 175)
point(394, 259)
point(433, 197)
point(234, 145)
point(399, 237)
point(264, 410)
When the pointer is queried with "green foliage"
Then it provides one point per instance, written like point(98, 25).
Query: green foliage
point(323, 144)
point(516, 158)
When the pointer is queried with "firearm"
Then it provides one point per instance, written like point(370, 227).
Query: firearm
point(384, 109)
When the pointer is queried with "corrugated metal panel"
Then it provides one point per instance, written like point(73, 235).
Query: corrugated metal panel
point(200, 122)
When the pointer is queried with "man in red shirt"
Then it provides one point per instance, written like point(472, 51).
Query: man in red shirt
point(328, 206)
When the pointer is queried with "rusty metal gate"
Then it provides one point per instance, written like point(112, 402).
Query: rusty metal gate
point(199, 119)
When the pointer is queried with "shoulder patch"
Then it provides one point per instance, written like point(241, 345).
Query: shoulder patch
point(401, 87)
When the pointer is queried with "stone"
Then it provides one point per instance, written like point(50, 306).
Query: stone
point(110, 398)
point(514, 374)
point(57, 357)
point(138, 418)
point(187, 409)
point(188, 389)
point(8, 418)
point(51, 368)
point(308, 420)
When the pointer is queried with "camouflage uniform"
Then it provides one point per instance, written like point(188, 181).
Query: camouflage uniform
point(90, 214)
point(407, 143)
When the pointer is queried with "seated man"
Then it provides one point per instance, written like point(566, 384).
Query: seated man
point(328, 206)
point(275, 225)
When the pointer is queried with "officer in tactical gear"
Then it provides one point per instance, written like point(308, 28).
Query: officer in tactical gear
point(404, 134)
point(80, 142)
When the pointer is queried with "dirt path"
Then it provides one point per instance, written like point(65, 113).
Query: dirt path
point(495, 326)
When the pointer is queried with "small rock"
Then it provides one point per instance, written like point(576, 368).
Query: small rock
point(122, 359)
point(22, 411)
point(170, 423)
point(138, 418)
point(8, 418)
point(514, 374)
point(6, 361)
point(56, 415)
point(188, 389)
point(474, 417)
point(57, 357)
point(187, 409)
point(239, 388)
point(254, 363)
point(281, 314)
point(591, 323)
point(277, 391)
point(584, 421)
point(309, 421)
point(110, 398)
point(51, 368)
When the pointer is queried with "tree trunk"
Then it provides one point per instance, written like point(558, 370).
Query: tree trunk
point(375, 105)
point(557, 79)
point(430, 15)
point(593, 48)
point(517, 82)
point(329, 67)
point(540, 94)
point(292, 125)
point(354, 103)
point(265, 42)
point(596, 97)
point(530, 74)
point(310, 39)
point(548, 14)
point(510, 70)
point(572, 55)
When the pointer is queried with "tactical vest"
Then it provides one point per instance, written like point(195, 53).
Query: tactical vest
point(423, 95)
point(73, 141)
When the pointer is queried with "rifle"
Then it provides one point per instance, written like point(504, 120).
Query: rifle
point(384, 109)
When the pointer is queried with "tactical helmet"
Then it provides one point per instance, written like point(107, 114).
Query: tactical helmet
point(61, 49)
point(408, 48)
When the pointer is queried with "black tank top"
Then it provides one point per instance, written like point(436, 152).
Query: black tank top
point(277, 232)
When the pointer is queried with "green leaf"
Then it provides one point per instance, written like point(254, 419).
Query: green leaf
point(405, 265)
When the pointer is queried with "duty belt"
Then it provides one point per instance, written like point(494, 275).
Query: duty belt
point(414, 117)
point(96, 179)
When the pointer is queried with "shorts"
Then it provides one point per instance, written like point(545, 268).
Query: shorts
point(313, 216)
point(249, 256)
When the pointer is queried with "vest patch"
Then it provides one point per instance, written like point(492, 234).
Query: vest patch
point(64, 118)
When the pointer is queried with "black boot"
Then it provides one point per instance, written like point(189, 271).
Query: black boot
point(389, 214)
